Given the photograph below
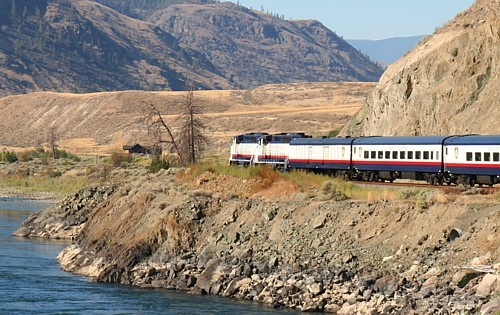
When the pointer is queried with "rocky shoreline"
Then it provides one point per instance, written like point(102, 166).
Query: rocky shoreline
point(343, 257)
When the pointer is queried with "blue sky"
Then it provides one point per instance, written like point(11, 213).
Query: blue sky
point(368, 19)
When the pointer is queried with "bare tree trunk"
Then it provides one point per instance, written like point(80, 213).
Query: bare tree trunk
point(155, 120)
point(192, 138)
point(52, 141)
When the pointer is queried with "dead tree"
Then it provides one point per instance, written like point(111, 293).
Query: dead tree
point(52, 138)
point(157, 127)
point(192, 139)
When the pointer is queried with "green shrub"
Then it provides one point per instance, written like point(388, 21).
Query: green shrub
point(159, 163)
point(9, 157)
point(423, 199)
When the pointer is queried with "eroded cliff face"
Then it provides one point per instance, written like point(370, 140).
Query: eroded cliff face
point(448, 84)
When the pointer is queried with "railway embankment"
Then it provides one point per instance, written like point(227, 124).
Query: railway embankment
point(272, 242)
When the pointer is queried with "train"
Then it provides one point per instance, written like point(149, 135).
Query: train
point(440, 160)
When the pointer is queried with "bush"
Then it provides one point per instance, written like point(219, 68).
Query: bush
point(424, 197)
point(159, 163)
point(118, 158)
point(9, 157)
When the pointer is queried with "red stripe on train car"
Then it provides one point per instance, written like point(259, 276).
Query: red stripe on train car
point(417, 163)
point(462, 165)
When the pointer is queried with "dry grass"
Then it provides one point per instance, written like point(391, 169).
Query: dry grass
point(100, 123)
point(61, 186)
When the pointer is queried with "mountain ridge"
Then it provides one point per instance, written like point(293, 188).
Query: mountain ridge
point(387, 50)
point(83, 46)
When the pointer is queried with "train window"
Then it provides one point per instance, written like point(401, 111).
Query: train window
point(469, 156)
point(487, 156)
point(402, 155)
point(287, 139)
point(380, 155)
point(432, 155)
point(367, 154)
point(418, 155)
point(395, 155)
point(426, 155)
point(437, 155)
point(446, 151)
point(373, 154)
point(410, 155)
point(354, 150)
point(496, 157)
point(387, 154)
point(477, 156)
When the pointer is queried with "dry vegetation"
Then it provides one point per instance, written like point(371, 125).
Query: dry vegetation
point(101, 123)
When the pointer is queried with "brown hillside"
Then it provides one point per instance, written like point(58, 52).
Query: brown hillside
point(450, 83)
point(102, 122)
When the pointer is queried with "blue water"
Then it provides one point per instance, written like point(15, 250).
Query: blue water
point(32, 283)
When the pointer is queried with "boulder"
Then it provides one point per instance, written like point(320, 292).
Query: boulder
point(488, 286)
point(212, 274)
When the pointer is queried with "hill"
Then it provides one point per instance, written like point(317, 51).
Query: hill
point(448, 84)
point(103, 122)
point(83, 46)
point(253, 48)
point(386, 51)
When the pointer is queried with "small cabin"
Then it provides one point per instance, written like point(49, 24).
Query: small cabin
point(139, 149)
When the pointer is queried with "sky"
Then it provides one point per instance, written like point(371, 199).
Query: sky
point(368, 19)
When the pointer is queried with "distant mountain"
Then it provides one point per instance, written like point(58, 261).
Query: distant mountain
point(84, 46)
point(251, 48)
point(386, 51)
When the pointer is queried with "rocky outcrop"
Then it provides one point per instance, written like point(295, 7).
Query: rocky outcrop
point(448, 84)
point(312, 255)
point(66, 219)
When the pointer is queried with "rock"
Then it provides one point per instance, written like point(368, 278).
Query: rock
point(491, 308)
point(315, 288)
point(235, 284)
point(268, 216)
point(332, 308)
point(410, 274)
point(428, 288)
point(386, 285)
point(213, 272)
point(273, 262)
point(242, 253)
point(348, 258)
point(463, 277)
point(483, 260)
point(319, 221)
point(347, 310)
point(488, 286)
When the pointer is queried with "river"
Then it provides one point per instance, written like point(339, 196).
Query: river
point(31, 281)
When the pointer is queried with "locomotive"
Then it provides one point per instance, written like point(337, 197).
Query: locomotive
point(439, 160)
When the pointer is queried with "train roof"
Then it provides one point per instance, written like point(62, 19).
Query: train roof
point(322, 141)
point(473, 140)
point(399, 140)
point(250, 137)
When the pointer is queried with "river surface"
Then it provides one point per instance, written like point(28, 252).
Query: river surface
point(32, 283)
